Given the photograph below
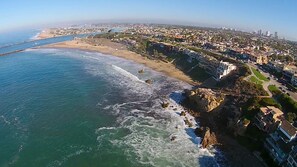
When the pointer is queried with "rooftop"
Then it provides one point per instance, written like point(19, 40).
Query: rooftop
point(288, 128)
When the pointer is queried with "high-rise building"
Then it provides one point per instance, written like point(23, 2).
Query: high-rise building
point(268, 33)
point(260, 32)
point(275, 35)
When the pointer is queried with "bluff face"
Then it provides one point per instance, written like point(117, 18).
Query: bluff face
point(206, 100)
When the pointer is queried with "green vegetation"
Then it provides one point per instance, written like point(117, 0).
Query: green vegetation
point(259, 75)
point(274, 90)
point(291, 117)
point(249, 88)
point(289, 106)
point(255, 80)
point(254, 138)
point(282, 58)
point(252, 106)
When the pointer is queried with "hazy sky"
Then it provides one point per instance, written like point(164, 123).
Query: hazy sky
point(272, 15)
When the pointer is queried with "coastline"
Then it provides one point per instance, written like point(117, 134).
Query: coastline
point(233, 156)
point(121, 51)
point(43, 34)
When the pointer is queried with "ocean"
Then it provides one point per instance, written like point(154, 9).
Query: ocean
point(66, 107)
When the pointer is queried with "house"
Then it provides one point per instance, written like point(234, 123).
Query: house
point(276, 65)
point(280, 143)
point(268, 118)
point(259, 59)
point(289, 71)
point(224, 69)
point(294, 80)
point(292, 158)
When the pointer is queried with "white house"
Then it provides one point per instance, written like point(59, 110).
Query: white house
point(224, 69)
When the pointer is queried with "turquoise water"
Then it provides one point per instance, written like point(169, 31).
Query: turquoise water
point(63, 107)
point(13, 37)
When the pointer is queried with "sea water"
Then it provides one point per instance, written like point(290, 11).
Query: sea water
point(62, 107)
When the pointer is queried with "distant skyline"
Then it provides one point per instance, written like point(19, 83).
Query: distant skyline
point(248, 15)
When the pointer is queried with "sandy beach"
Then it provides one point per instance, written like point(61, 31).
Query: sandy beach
point(119, 50)
point(44, 34)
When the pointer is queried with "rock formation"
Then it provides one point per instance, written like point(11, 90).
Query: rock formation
point(205, 99)
point(141, 71)
point(148, 81)
point(183, 113)
point(208, 137)
point(165, 104)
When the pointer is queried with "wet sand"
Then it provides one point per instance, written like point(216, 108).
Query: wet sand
point(119, 50)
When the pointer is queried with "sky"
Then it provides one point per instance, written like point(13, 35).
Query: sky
point(249, 15)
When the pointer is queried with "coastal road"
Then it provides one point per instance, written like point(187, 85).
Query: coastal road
point(273, 81)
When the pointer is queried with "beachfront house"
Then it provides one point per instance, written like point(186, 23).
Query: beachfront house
point(292, 158)
point(224, 69)
point(268, 118)
point(280, 143)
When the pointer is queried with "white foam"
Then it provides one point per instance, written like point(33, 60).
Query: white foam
point(127, 74)
point(35, 37)
point(151, 127)
point(5, 120)
point(150, 137)
point(105, 128)
point(67, 157)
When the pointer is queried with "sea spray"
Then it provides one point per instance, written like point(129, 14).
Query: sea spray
point(82, 110)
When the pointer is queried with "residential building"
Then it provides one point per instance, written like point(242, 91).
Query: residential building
point(276, 65)
point(292, 158)
point(280, 143)
point(289, 71)
point(294, 80)
point(224, 69)
point(268, 118)
point(259, 59)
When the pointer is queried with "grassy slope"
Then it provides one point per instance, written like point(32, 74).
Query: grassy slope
point(259, 75)
point(256, 80)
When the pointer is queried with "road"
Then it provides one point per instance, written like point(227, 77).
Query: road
point(273, 81)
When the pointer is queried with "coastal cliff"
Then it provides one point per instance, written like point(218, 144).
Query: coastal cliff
point(206, 100)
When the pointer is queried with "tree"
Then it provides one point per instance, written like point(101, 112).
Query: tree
point(291, 117)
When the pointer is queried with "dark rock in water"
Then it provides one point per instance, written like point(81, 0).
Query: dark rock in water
point(165, 105)
point(183, 113)
point(141, 71)
point(208, 137)
point(149, 81)
point(173, 138)
point(187, 122)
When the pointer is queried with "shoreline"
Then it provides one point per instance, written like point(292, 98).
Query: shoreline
point(169, 70)
point(121, 51)
point(43, 34)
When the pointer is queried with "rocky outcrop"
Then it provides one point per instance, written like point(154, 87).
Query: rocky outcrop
point(208, 137)
point(164, 104)
point(149, 81)
point(141, 71)
point(183, 113)
point(241, 127)
point(205, 99)
point(188, 122)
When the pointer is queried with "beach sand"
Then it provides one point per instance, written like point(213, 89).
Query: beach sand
point(235, 157)
point(44, 34)
point(119, 50)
